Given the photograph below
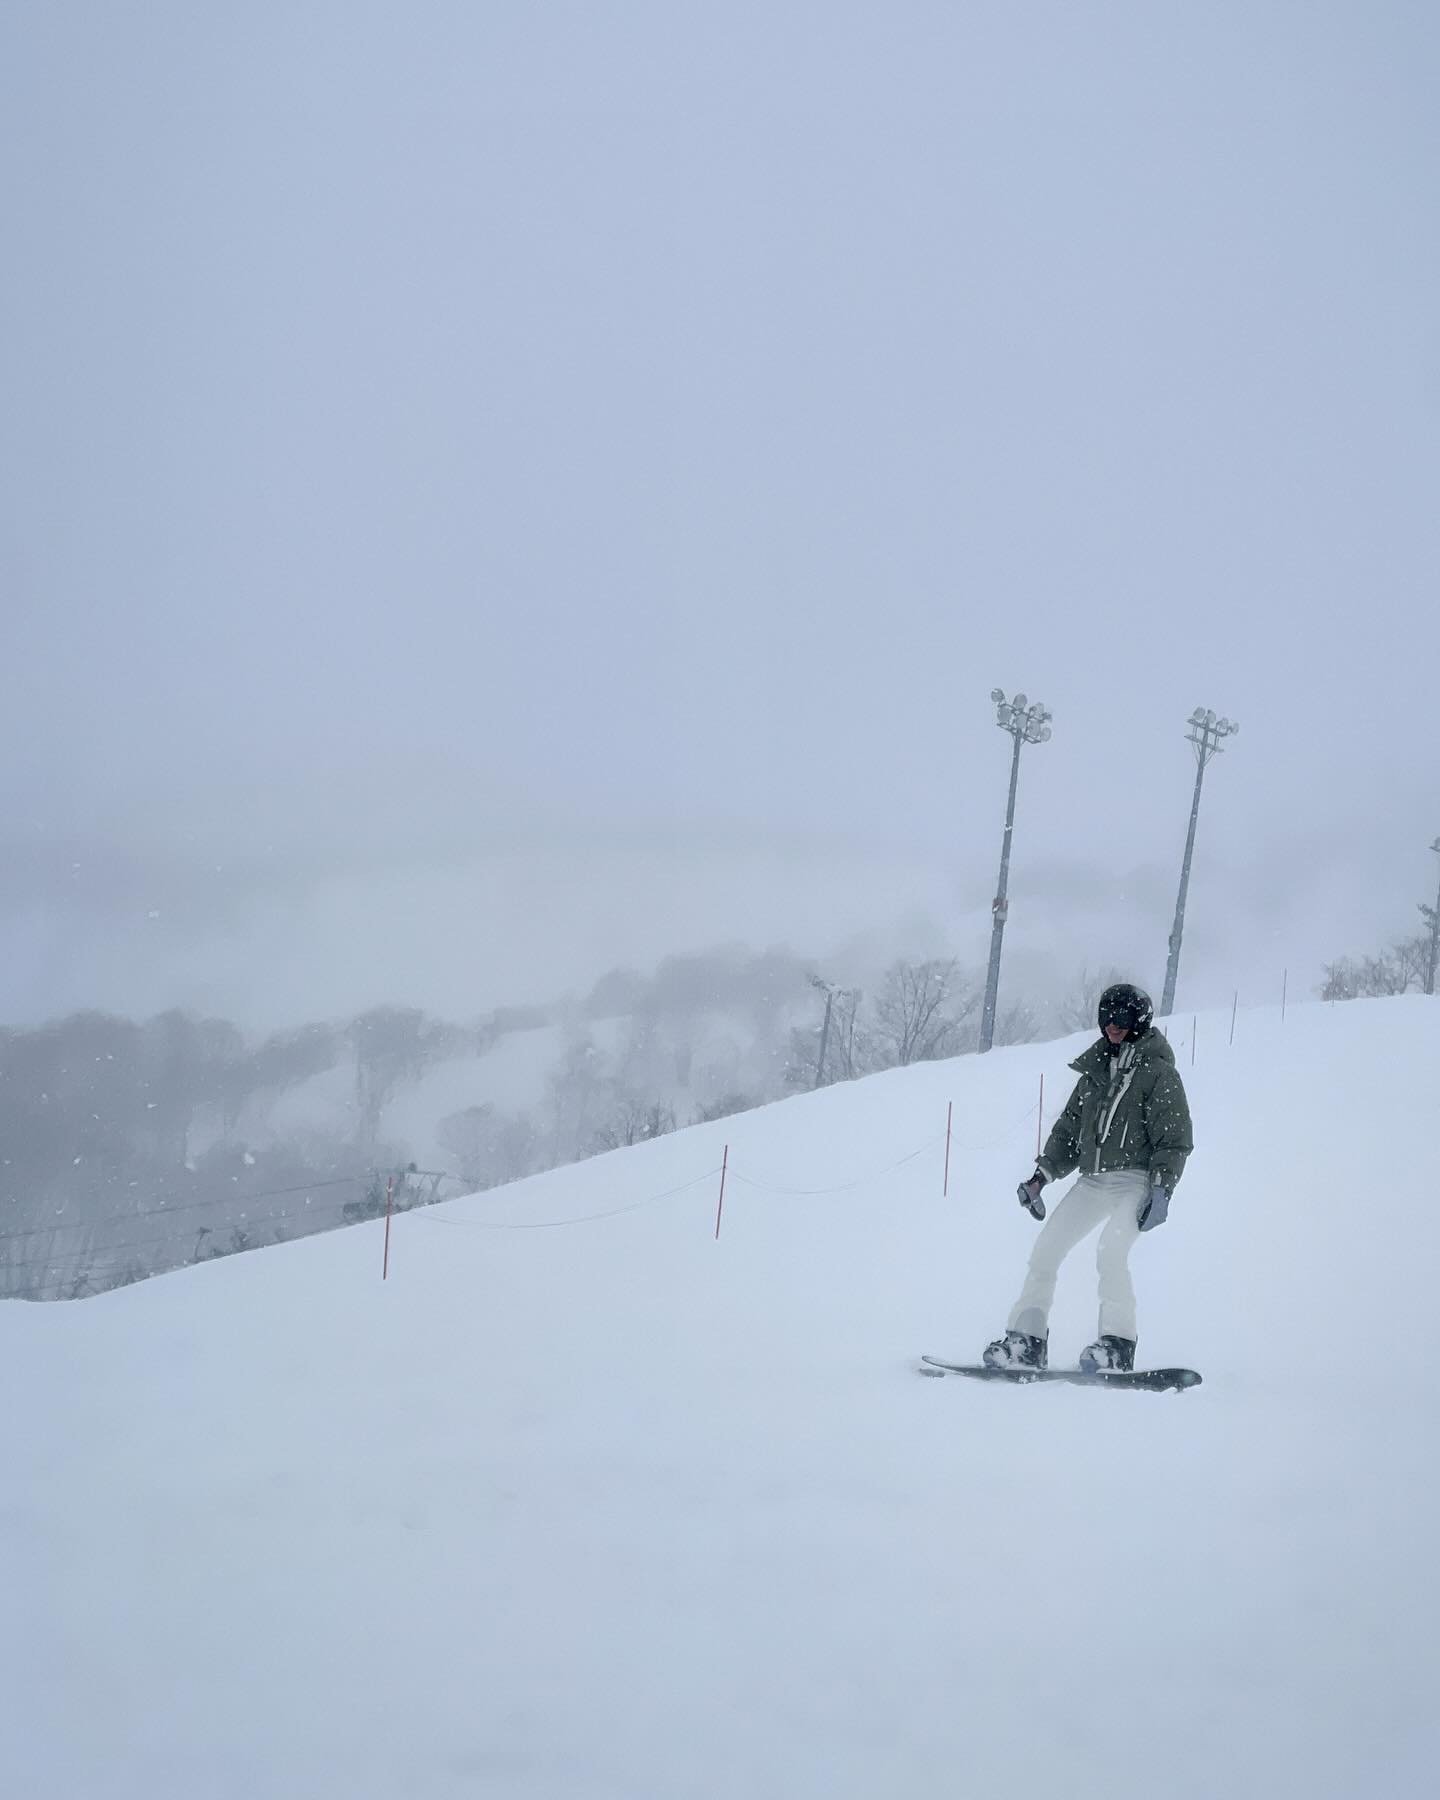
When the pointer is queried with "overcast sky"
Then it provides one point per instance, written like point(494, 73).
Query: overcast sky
point(492, 490)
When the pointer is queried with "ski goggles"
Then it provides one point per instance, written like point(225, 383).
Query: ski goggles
point(1120, 1014)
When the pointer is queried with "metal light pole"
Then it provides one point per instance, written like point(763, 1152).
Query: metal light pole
point(829, 992)
point(1205, 734)
point(1027, 724)
point(832, 993)
point(1434, 933)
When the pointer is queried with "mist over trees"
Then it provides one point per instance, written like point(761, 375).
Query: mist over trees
point(921, 1011)
point(1402, 969)
point(130, 1147)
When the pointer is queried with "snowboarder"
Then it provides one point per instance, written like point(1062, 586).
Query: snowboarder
point(1127, 1129)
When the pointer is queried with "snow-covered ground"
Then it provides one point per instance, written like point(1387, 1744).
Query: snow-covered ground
point(615, 1511)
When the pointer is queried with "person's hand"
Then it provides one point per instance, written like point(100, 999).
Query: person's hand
point(1028, 1194)
point(1154, 1207)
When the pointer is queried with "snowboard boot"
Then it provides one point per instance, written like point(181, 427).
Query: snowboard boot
point(1016, 1350)
point(1107, 1353)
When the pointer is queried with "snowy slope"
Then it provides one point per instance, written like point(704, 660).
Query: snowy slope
point(614, 1511)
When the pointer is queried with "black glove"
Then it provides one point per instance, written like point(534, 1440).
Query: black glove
point(1028, 1194)
point(1154, 1208)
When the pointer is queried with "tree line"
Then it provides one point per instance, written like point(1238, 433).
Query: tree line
point(1404, 966)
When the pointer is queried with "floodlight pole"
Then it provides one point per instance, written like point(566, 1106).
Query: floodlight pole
point(1434, 934)
point(824, 1029)
point(1027, 725)
point(1205, 734)
point(832, 993)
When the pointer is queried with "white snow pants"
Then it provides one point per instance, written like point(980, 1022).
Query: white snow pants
point(1111, 1201)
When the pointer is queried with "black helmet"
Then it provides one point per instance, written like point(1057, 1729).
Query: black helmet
point(1126, 1006)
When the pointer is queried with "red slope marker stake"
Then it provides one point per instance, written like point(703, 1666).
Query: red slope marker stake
point(949, 1112)
point(385, 1266)
point(1040, 1118)
point(724, 1165)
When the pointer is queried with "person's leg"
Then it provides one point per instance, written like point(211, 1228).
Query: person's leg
point(1074, 1218)
point(1124, 1192)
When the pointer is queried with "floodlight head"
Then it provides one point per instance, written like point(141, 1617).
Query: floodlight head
point(1005, 714)
point(1210, 717)
point(1045, 734)
point(1020, 703)
point(997, 695)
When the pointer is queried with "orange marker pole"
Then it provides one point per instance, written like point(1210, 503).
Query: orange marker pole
point(724, 1165)
point(949, 1111)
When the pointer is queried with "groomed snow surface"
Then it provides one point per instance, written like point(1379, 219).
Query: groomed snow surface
point(615, 1511)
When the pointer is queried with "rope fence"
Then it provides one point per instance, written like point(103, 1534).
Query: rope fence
point(211, 1204)
point(727, 1171)
point(237, 1218)
point(613, 1212)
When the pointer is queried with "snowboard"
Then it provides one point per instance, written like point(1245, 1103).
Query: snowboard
point(1154, 1380)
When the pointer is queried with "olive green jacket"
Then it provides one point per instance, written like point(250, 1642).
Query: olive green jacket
point(1136, 1119)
